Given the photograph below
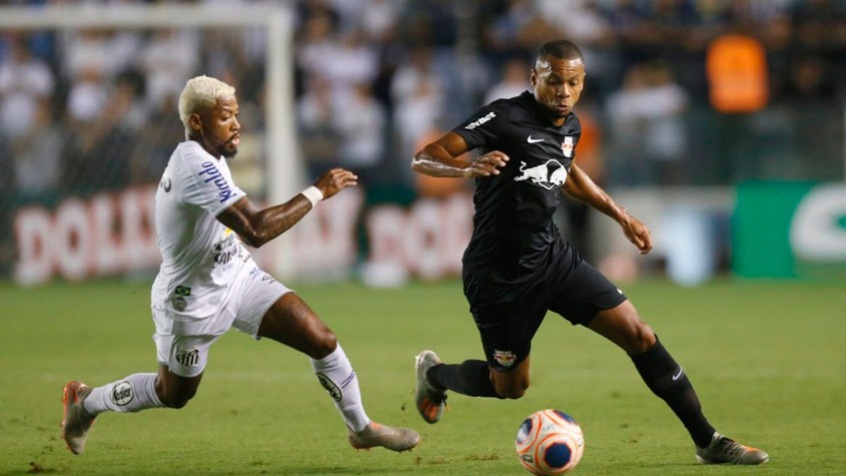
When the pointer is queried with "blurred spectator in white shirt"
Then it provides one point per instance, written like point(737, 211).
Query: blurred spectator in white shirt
point(37, 156)
point(167, 60)
point(648, 129)
point(418, 96)
point(514, 80)
point(360, 120)
point(24, 82)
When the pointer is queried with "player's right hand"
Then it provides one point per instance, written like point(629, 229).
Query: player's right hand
point(335, 180)
point(486, 165)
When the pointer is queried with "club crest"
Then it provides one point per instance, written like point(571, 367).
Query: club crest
point(567, 146)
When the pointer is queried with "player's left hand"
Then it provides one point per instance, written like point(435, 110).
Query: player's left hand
point(637, 233)
point(335, 180)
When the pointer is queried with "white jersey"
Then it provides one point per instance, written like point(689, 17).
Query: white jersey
point(200, 256)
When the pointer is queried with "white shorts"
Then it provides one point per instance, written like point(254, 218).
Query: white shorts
point(183, 342)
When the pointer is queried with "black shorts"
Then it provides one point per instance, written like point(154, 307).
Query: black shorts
point(571, 287)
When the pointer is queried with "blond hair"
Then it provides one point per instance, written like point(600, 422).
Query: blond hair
point(199, 91)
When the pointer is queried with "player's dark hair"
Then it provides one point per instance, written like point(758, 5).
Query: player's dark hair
point(560, 49)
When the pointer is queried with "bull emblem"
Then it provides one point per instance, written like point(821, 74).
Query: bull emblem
point(547, 175)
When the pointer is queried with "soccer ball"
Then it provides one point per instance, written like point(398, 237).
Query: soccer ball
point(549, 443)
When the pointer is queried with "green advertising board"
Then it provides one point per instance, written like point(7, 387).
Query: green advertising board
point(789, 230)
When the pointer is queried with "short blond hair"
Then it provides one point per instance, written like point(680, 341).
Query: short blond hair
point(201, 91)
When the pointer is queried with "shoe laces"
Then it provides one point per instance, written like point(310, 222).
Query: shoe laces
point(730, 447)
point(438, 398)
point(436, 395)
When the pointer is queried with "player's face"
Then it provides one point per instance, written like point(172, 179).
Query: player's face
point(219, 128)
point(557, 85)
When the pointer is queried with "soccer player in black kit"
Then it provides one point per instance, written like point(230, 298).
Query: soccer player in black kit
point(517, 266)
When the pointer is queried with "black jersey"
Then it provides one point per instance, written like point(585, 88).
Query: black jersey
point(514, 237)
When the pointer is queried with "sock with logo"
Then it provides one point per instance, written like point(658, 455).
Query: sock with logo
point(337, 376)
point(667, 380)
point(471, 378)
point(131, 394)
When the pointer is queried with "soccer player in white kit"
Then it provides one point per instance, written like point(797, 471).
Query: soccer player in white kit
point(208, 282)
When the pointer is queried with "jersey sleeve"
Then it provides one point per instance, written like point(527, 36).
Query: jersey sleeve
point(208, 185)
point(483, 127)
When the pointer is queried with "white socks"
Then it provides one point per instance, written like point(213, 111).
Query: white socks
point(338, 378)
point(138, 391)
point(134, 393)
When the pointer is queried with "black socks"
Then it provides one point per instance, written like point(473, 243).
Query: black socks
point(471, 378)
point(667, 380)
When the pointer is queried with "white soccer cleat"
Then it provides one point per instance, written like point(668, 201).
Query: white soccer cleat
point(76, 421)
point(430, 402)
point(394, 439)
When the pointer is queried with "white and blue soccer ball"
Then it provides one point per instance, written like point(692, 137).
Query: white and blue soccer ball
point(549, 443)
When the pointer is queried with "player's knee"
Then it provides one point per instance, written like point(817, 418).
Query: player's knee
point(178, 400)
point(324, 344)
point(512, 390)
point(640, 339)
point(512, 393)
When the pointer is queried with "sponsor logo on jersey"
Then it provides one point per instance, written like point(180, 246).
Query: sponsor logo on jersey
point(225, 249)
point(547, 175)
point(504, 358)
point(180, 293)
point(329, 385)
point(121, 393)
point(532, 140)
point(567, 146)
point(188, 358)
point(213, 175)
point(480, 121)
point(179, 303)
point(165, 184)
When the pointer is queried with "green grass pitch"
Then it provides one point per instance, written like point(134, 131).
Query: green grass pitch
point(767, 358)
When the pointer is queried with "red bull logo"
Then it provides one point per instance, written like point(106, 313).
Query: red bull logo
point(505, 358)
point(549, 174)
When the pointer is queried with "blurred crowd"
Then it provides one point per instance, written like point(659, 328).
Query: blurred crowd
point(92, 110)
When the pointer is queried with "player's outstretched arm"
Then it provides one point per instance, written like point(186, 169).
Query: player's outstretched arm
point(257, 227)
point(440, 159)
point(579, 185)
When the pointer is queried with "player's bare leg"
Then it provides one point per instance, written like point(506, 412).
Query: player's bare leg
point(291, 322)
point(175, 391)
point(512, 383)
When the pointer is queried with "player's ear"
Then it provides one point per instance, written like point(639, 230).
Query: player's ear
point(195, 122)
point(534, 77)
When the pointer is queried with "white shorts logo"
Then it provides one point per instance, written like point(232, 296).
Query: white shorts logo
point(188, 358)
